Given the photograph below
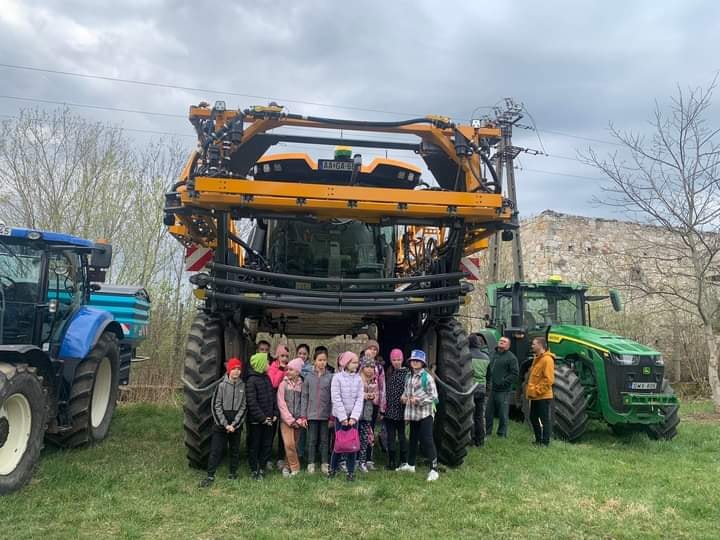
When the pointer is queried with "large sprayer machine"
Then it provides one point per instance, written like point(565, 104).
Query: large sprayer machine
point(310, 247)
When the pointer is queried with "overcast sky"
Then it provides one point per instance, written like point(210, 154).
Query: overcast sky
point(576, 66)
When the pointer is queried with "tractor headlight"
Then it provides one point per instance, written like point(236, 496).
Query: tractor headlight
point(659, 361)
point(625, 359)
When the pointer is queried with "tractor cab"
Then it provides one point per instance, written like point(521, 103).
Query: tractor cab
point(523, 311)
point(44, 278)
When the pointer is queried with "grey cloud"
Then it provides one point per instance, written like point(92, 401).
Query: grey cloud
point(576, 65)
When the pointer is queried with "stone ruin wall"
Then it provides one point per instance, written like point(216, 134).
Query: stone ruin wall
point(599, 252)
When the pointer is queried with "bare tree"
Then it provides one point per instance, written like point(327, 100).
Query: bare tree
point(669, 180)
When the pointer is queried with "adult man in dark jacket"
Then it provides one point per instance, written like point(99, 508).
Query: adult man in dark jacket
point(502, 374)
point(480, 362)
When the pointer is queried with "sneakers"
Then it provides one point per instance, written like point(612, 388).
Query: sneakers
point(311, 468)
point(350, 477)
point(406, 468)
point(207, 482)
point(325, 468)
point(343, 466)
point(285, 472)
point(232, 476)
point(370, 465)
point(280, 465)
point(293, 474)
point(269, 466)
point(363, 468)
point(257, 475)
point(433, 475)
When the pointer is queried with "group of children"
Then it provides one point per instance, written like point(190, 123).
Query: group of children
point(322, 413)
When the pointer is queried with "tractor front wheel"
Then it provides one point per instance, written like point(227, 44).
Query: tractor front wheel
point(23, 406)
point(93, 395)
point(569, 405)
point(668, 428)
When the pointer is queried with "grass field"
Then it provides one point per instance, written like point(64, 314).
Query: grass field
point(137, 485)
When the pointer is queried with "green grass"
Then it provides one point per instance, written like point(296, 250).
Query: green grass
point(137, 485)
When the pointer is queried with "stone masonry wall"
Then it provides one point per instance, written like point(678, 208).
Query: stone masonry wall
point(601, 253)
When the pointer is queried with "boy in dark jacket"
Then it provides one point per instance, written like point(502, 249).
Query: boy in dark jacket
point(228, 411)
point(262, 413)
point(502, 373)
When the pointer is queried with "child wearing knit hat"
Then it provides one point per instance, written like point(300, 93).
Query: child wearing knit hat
point(276, 371)
point(346, 393)
point(289, 399)
point(262, 413)
point(228, 412)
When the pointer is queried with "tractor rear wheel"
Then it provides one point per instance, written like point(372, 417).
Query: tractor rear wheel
point(93, 395)
point(203, 367)
point(569, 405)
point(454, 418)
point(667, 430)
point(23, 413)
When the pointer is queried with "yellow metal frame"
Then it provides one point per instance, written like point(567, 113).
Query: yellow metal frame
point(326, 201)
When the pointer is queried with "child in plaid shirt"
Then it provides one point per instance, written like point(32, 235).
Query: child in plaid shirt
point(420, 397)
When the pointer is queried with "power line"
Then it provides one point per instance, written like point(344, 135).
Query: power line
point(86, 106)
point(554, 173)
point(204, 90)
point(169, 115)
point(269, 98)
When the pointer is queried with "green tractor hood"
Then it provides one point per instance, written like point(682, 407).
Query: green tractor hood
point(598, 339)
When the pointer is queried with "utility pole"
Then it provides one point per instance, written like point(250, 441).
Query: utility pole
point(505, 160)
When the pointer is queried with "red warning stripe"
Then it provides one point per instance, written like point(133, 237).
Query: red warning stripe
point(197, 257)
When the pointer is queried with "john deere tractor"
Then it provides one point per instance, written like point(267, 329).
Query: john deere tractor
point(340, 245)
point(597, 374)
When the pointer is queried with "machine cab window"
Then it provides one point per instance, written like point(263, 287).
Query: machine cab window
point(20, 270)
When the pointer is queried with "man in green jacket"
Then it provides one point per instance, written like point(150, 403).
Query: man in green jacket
point(480, 362)
point(502, 374)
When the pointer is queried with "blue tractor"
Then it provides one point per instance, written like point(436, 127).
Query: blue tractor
point(66, 344)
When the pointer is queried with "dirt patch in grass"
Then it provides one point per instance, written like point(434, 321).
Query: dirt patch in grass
point(703, 416)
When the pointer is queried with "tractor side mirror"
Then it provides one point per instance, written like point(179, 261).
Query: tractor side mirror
point(616, 300)
point(101, 256)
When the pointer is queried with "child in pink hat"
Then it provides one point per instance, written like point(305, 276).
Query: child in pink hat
point(289, 399)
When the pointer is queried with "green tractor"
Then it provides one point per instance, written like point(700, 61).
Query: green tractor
point(597, 374)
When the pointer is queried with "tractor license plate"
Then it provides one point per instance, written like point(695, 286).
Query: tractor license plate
point(643, 386)
point(5, 230)
point(333, 165)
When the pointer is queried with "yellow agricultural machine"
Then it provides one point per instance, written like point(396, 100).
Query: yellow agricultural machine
point(337, 246)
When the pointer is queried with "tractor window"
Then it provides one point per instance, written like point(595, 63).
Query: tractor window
point(20, 267)
point(65, 277)
point(542, 307)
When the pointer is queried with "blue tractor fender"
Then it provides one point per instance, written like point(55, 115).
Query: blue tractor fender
point(84, 330)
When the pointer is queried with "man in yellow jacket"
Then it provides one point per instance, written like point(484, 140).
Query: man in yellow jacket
point(539, 391)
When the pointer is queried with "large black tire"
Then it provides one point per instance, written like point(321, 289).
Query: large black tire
point(93, 395)
point(569, 405)
point(454, 418)
point(668, 429)
point(203, 366)
point(23, 414)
